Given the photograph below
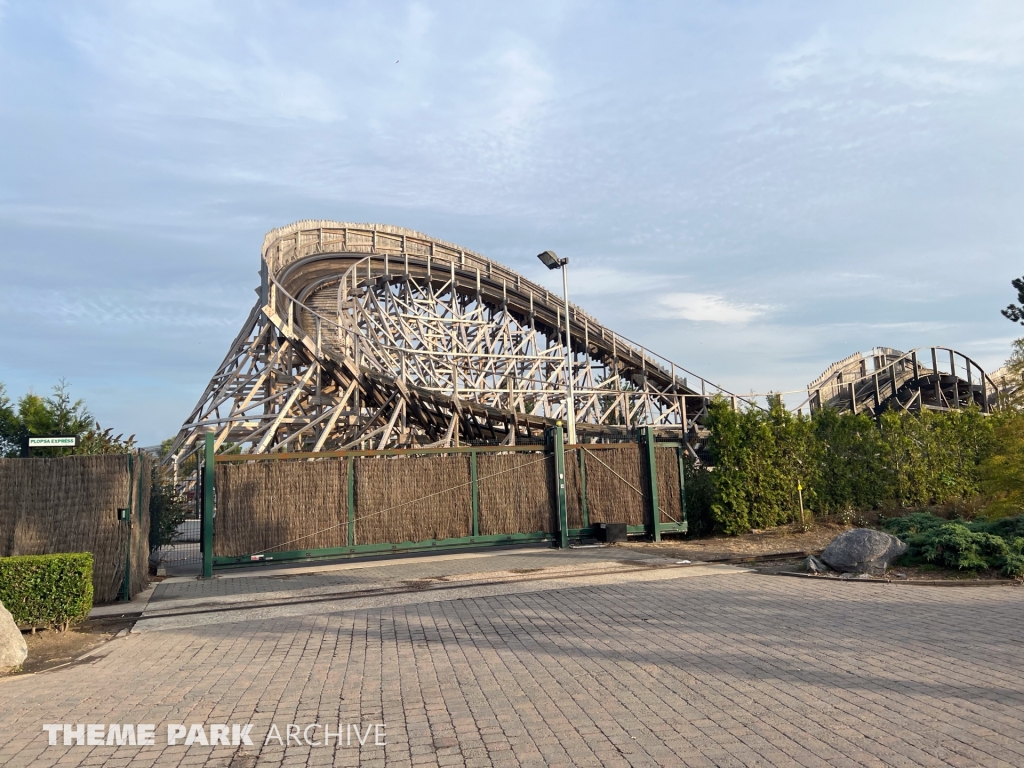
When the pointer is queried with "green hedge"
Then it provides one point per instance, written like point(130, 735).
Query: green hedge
point(47, 590)
point(844, 462)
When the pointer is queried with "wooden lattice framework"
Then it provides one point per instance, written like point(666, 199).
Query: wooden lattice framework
point(927, 378)
point(372, 336)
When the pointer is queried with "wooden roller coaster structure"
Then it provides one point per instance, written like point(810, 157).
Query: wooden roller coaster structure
point(908, 381)
point(367, 336)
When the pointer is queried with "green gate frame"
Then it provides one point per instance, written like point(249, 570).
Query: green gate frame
point(134, 500)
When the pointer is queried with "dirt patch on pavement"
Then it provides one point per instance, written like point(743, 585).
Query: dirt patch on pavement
point(47, 649)
point(775, 541)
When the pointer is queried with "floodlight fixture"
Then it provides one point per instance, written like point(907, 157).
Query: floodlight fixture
point(551, 261)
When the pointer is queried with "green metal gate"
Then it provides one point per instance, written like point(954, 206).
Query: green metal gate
point(281, 507)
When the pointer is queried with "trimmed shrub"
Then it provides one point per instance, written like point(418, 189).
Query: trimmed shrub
point(1014, 565)
point(967, 546)
point(957, 546)
point(1009, 528)
point(913, 524)
point(52, 591)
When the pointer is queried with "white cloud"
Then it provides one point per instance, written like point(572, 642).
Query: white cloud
point(707, 308)
point(521, 86)
point(604, 281)
point(201, 61)
point(801, 62)
point(964, 51)
point(152, 308)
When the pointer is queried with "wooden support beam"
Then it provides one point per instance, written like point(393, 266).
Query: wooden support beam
point(956, 381)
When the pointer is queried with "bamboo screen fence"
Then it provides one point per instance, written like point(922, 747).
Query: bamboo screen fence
point(573, 489)
point(516, 493)
point(670, 501)
point(265, 504)
point(616, 485)
point(70, 503)
point(269, 505)
point(338, 501)
point(412, 498)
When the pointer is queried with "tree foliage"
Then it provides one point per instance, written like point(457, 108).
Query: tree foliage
point(932, 457)
point(759, 457)
point(1015, 312)
point(57, 414)
point(1011, 383)
point(1001, 474)
point(10, 426)
point(167, 510)
point(848, 452)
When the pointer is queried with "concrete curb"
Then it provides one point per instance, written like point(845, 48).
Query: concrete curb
point(914, 582)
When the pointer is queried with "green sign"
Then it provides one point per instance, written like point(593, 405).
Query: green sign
point(52, 442)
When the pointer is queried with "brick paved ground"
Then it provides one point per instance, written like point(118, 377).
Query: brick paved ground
point(301, 577)
point(716, 670)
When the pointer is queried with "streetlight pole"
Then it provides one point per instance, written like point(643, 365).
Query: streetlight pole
point(568, 354)
point(551, 261)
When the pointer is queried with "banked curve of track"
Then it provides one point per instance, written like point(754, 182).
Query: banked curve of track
point(374, 336)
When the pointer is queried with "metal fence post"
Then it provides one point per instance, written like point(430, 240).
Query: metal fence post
point(351, 502)
point(583, 489)
point(207, 534)
point(563, 516)
point(652, 477)
point(476, 493)
point(682, 488)
point(126, 582)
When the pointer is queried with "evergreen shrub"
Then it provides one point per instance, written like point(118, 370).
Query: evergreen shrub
point(47, 591)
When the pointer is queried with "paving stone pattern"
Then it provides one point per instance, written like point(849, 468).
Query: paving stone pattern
point(708, 671)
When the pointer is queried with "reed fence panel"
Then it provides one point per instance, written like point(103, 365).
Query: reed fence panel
point(517, 493)
point(616, 486)
point(667, 461)
point(573, 490)
point(264, 506)
point(70, 503)
point(415, 498)
point(280, 505)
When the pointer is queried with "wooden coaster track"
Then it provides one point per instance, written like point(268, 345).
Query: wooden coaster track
point(372, 336)
point(909, 381)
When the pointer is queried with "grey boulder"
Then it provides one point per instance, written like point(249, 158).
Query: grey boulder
point(862, 550)
point(13, 649)
point(814, 565)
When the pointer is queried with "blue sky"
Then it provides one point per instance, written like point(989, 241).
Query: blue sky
point(750, 189)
